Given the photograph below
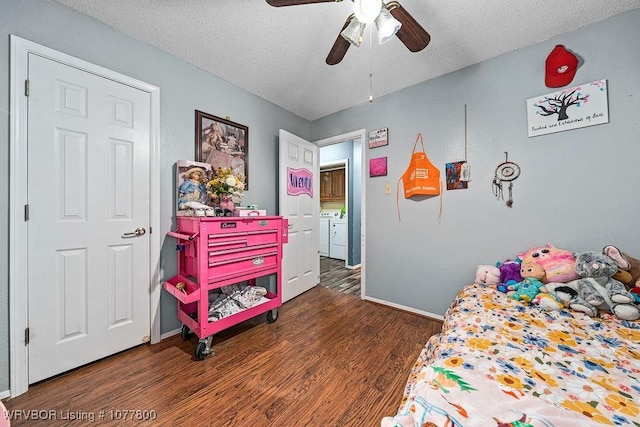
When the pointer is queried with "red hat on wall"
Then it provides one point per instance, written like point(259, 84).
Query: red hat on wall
point(560, 67)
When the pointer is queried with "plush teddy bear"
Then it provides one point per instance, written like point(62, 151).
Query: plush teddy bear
point(598, 291)
point(558, 264)
point(487, 275)
point(509, 274)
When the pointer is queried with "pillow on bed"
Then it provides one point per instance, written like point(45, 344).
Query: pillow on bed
point(558, 264)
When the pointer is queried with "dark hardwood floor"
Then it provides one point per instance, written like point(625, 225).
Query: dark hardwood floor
point(334, 275)
point(329, 360)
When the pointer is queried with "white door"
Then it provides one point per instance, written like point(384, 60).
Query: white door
point(301, 263)
point(88, 191)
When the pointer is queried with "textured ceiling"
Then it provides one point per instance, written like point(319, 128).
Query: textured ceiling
point(279, 53)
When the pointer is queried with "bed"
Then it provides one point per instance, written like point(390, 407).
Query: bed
point(499, 362)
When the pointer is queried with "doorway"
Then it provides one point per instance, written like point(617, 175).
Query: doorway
point(348, 150)
point(69, 159)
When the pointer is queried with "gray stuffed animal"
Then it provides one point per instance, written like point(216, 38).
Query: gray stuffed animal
point(598, 291)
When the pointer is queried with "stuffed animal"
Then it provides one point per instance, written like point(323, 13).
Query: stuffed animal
point(628, 267)
point(509, 274)
point(548, 302)
point(530, 269)
point(527, 289)
point(558, 264)
point(564, 292)
point(487, 275)
point(598, 291)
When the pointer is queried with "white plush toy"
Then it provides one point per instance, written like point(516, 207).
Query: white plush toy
point(487, 275)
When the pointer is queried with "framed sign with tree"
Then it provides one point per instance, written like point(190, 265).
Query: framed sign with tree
point(222, 144)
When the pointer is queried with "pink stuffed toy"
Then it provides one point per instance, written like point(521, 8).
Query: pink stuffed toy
point(487, 275)
point(558, 264)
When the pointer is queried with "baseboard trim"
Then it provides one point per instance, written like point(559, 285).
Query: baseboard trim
point(4, 394)
point(404, 308)
point(170, 333)
point(353, 267)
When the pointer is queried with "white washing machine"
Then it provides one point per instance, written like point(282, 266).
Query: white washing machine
point(326, 216)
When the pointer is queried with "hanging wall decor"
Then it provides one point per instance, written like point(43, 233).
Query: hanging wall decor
point(378, 167)
point(223, 144)
point(421, 179)
point(454, 176)
point(570, 108)
point(505, 172)
point(299, 181)
point(458, 174)
point(378, 138)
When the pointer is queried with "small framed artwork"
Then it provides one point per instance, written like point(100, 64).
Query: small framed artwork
point(378, 138)
point(378, 167)
point(454, 176)
point(222, 144)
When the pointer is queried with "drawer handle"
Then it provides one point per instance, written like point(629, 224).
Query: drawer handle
point(244, 249)
point(247, 258)
point(228, 242)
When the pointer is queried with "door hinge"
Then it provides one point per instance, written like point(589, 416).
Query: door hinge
point(26, 87)
point(150, 230)
point(26, 212)
point(26, 336)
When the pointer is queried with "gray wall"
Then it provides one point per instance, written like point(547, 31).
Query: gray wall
point(183, 89)
point(578, 189)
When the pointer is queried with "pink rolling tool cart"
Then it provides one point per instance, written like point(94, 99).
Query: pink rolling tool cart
point(222, 251)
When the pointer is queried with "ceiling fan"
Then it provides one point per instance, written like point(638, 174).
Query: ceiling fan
point(390, 19)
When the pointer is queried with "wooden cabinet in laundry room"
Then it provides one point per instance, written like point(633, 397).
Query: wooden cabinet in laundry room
point(332, 185)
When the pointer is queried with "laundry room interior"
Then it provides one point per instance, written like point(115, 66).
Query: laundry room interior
point(340, 200)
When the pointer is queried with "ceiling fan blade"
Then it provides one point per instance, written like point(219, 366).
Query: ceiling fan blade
point(278, 3)
point(411, 34)
point(340, 46)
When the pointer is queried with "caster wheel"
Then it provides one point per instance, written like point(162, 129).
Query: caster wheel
point(272, 316)
point(185, 333)
point(201, 351)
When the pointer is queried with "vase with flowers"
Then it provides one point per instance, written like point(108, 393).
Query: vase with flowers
point(225, 188)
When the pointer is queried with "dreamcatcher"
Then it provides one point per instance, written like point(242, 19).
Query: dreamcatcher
point(505, 172)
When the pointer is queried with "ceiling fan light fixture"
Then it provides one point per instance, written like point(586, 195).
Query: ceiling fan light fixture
point(367, 10)
point(386, 25)
point(353, 32)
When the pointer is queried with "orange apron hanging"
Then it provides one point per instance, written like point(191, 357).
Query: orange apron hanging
point(421, 177)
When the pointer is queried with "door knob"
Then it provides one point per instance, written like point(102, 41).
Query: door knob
point(138, 232)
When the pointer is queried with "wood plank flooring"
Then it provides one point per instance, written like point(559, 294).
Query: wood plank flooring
point(334, 275)
point(329, 360)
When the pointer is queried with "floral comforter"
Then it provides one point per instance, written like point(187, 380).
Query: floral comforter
point(499, 362)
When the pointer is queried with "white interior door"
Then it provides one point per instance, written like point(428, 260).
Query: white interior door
point(88, 187)
point(301, 263)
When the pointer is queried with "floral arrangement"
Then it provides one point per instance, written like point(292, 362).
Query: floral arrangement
point(224, 181)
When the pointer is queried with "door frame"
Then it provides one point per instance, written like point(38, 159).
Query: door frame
point(18, 187)
point(345, 164)
point(360, 135)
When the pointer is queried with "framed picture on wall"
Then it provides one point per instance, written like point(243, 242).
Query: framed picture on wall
point(378, 138)
point(222, 144)
point(378, 167)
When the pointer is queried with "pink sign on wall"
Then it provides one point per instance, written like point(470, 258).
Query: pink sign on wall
point(299, 181)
